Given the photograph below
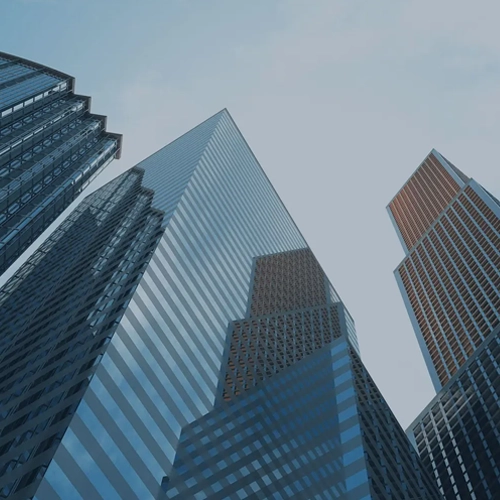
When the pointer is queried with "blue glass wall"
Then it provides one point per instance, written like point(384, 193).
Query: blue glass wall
point(319, 429)
point(161, 369)
point(57, 315)
point(212, 215)
point(50, 149)
point(297, 435)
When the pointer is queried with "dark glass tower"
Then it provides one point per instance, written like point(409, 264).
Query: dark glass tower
point(57, 315)
point(179, 316)
point(450, 280)
point(50, 149)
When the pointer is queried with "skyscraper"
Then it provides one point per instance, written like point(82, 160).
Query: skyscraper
point(449, 226)
point(57, 315)
point(50, 149)
point(296, 414)
point(176, 315)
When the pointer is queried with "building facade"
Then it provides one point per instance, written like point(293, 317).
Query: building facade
point(57, 315)
point(296, 414)
point(449, 226)
point(171, 264)
point(51, 147)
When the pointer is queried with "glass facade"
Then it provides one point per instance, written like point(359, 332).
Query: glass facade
point(57, 315)
point(50, 149)
point(297, 415)
point(162, 366)
point(450, 281)
point(192, 241)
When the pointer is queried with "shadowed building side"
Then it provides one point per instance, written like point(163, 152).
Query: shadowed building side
point(57, 316)
point(457, 435)
point(51, 147)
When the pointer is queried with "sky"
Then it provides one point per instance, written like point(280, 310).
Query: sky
point(340, 100)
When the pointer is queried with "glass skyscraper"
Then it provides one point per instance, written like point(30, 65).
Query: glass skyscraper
point(57, 315)
point(50, 149)
point(449, 226)
point(182, 341)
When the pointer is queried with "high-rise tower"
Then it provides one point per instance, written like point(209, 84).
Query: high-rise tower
point(449, 226)
point(296, 414)
point(50, 149)
point(179, 317)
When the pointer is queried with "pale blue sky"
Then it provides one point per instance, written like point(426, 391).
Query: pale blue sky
point(340, 101)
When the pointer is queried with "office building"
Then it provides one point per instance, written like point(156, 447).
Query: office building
point(296, 413)
point(449, 226)
point(175, 315)
point(51, 147)
point(57, 315)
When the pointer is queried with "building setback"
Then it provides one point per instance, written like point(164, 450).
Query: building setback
point(51, 147)
point(449, 226)
point(296, 414)
point(175, 315)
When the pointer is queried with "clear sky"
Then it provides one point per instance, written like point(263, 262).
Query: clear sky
point(339, 99)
